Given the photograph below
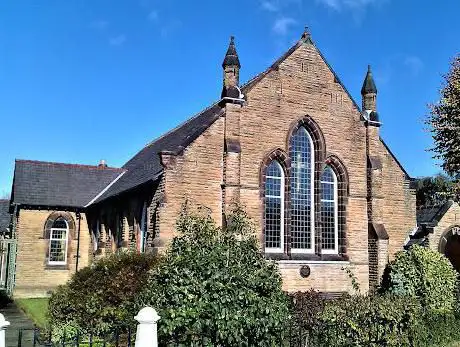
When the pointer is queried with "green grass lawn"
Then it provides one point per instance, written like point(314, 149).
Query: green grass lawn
point(35, 309)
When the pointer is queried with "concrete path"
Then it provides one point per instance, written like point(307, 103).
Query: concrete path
point(18, 321)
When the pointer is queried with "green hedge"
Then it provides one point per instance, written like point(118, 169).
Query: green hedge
point(423, 274)
point(375, 320)
point(369, 321)
point(99, 299)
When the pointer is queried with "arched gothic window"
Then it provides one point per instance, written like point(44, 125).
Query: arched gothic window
point(329, 212)
point(58, 242)
point(274, 208)
point(302, 192)
point(315, 200)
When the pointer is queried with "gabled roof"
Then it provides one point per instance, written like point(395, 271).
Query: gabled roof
point(53, 184)
point(4, 215)
point(145, 166)
point(396, 160)
point(41, 183)
point(431, 215)
point(306, 39)
point(427, 218)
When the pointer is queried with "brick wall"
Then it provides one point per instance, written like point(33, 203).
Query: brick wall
point(302, 85)
point(34, 277)
point(398, 210)
point(194, 176)
point(451, 218)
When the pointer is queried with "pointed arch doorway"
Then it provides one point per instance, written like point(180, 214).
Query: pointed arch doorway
point(449, 245)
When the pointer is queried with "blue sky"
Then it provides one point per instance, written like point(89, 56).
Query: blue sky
point(84, 80)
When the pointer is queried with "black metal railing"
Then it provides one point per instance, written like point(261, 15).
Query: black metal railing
point(39, 338)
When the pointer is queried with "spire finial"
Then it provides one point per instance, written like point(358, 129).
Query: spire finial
point(306, 32)
point(231, 57)
point(306, 36)
point(369, 84)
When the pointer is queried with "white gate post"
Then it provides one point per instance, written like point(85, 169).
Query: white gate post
point(146, 335)
point(3, 325)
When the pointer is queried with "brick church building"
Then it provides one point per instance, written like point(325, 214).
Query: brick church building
point(291, 145)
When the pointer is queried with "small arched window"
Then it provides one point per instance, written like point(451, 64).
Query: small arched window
point(58, 242)
point(329, 212)
point(274, 208)
point(302, 192)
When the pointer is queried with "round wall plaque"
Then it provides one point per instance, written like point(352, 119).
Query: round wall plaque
point(305, 271)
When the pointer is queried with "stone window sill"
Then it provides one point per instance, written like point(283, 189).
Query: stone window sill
point(56, 267)
point(308, 258)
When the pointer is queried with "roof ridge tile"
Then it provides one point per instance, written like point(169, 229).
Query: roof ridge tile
point(69, 164)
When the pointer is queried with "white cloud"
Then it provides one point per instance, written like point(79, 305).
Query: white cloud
point(338, 5)
point(99, 24)
point(414, 63)
point(269, 6)
point(153, 16)
point(169, 28)
point(282, 25)
point(117, 40)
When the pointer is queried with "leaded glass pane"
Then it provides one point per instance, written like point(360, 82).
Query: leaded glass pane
point(328, 210)
point(60, 223)
point(58, 245)
point(274, 201)
point(301, 153)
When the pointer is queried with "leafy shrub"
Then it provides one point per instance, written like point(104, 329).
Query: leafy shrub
point(438, 330)
point(423, 274)
point(215, 288)
point(100, 298)
point(369, 321)
point(306, 308)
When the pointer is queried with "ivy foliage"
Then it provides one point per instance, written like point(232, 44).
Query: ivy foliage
point(99, 299)
point(423, 274)
point(215, 288)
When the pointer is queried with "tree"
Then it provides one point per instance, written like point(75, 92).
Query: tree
point(435, 190)
point(444, 121)
point(215, 288)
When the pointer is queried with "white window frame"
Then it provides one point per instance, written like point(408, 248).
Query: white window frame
point(143, 228)
point(66, 230)
point(336, 214)
point(312, 196)
point(96, 235)
point(281, 198)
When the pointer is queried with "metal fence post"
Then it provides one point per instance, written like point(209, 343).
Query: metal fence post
point(3, 324)
point(146, 335)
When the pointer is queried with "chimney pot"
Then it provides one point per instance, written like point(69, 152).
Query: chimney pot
point(102, 163)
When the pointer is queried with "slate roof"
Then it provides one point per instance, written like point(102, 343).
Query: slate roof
point(41, 183)
point(61, 184)
point(427, 218)
point(4, 215)
point(145, 166)
point(431, 215)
